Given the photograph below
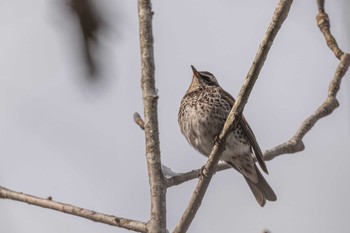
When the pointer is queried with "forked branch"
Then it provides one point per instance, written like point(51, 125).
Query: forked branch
point(295, 144)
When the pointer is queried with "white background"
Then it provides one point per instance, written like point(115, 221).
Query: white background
point(63, 137)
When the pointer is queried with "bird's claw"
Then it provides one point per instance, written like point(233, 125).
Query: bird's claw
point(202, 173)
point(218, 142)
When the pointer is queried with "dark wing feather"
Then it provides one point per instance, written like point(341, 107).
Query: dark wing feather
point(248, 131)
point(257, 151)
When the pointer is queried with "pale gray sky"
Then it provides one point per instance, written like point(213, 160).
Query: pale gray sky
point(60, 137)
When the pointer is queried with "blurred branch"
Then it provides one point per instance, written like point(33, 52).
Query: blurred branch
point(157, 223)
point(90, 23)
point(280, 14)
point(73, 210)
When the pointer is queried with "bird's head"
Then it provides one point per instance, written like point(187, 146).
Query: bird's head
point(202, 79)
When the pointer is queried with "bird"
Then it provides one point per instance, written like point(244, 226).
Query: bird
point(202, 114)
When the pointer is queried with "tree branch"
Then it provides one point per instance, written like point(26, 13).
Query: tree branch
point(295, 144)
point(180, 178)
point(74, 210)
point(157, 223)
point(280, 14)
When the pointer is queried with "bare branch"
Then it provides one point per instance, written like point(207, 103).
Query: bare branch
point(179, 178)
point(324, 25)
point(157, 222)
point(280, 14)
point(138, 120)
point(295, 144)
point(74, 210)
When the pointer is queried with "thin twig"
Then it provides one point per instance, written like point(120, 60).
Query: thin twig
point(280, 15)
point(157, 223)
point(180, 178)
point(74, 210)
point(324, 25)
point(138, 120)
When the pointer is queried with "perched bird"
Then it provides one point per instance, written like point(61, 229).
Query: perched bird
point(203, 112)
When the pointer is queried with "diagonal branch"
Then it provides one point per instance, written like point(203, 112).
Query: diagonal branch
point(74, 210)
point(157, 223)
point(280, 14)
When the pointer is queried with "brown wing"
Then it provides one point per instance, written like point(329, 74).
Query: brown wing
point(254, 144)
point(248, 131)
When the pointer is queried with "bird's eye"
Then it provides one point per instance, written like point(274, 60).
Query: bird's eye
point(207, 80)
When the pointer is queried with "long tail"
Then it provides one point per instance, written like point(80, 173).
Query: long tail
point(261, 190)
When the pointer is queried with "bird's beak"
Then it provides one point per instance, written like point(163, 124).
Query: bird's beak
point(195, 72)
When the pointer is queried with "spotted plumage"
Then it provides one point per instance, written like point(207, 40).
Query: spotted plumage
point(203, 112)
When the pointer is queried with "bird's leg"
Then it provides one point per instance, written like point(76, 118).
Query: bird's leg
point(202, 173)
